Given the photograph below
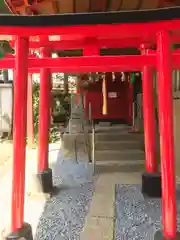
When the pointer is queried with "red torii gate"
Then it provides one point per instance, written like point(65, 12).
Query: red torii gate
point(158, 31)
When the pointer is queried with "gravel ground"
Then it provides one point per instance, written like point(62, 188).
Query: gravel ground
point(64, 214)
point(138, 218)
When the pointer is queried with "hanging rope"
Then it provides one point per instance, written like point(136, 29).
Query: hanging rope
point(104, 92)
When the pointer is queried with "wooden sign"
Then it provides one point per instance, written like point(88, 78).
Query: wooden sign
point(112, 95)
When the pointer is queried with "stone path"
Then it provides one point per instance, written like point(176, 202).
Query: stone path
point(84, 207)
point(64, 214)
point(6, 149)
point(5, 199)
point(100, 221)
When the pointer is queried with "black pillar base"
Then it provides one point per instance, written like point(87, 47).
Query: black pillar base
point(159, 236)
point(23, 233)
point(46, 181)
point(151, 185)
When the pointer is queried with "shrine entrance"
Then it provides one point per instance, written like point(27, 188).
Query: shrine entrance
point(159, 28)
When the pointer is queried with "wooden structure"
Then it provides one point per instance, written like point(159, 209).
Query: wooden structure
point(38, 7)
point(90, 32)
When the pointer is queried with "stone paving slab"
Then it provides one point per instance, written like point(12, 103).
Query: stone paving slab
point(99, 224)
point(100, 221)
point(98, 228)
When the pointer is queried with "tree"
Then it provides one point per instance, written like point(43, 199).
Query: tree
point(5, 48)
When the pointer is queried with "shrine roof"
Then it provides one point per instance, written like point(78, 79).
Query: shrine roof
point(141, 25)
point(121, 17)
point(39, 7)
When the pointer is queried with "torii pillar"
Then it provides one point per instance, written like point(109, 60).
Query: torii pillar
point(151, 179)
point(165, 100)
point(20, 229)
point(44, 172)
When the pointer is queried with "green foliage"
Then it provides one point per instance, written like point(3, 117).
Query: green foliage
point(2, 54)
point(62, 104)
point(5, 48)
point(132, 77)
point(36, 109)
point(54, 131)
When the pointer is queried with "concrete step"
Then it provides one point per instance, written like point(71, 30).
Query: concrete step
point(75, 121)
point(76, 116)
point(76, 129)
point(121, 166)
point(120, 163)
point(121, 155)
point(114, 136)
point(117, 145)
point(112, 129)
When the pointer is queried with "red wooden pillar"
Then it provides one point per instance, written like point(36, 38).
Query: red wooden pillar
point(165, 99)
point(151, 179)
point(91, 49)
point(18, 227)
point(149, 116)
point(149, 120)
point(30, 117)
point(44, 172)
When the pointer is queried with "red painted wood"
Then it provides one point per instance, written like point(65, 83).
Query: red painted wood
point(117, 108)
point(70, 42)
point(149, 120)
point(145, 31)
point(88, 63)
point(19, 134)
point(92, 63)
point(165, 99)
point(44, 114)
